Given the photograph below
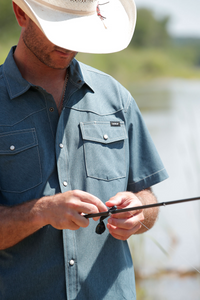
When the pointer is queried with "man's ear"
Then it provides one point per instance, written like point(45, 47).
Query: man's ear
point(21, 17)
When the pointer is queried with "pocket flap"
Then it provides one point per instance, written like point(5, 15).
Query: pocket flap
point(17, 141)
point(103, 132)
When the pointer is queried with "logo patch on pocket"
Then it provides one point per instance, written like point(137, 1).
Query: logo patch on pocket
point(115, 124)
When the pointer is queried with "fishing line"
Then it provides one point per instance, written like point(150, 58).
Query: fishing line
point(171, 248)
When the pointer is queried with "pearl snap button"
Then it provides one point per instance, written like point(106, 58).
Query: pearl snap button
point(61, 146)
point(71, 262)
point(65, 183)
point(12, 148)
point(105, 137)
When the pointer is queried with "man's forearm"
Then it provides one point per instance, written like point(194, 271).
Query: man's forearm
point(150, 214)
point(18, 222)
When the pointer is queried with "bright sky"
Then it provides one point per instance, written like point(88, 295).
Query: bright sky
point(185, 14)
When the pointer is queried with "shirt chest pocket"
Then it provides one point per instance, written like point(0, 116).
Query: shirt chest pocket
point(20, 168)
point(104, 149)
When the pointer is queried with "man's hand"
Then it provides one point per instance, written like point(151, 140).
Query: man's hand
point(65, 211)
point(121, 226)
point(62, 211)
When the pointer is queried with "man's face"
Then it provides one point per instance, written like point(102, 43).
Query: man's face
point(47, 53)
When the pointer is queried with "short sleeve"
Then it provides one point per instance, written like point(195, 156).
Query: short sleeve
point(145, 165)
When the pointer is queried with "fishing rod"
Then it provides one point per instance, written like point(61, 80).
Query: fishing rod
point(113, 210)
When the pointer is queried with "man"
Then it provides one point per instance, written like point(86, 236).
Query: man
point(72, 142)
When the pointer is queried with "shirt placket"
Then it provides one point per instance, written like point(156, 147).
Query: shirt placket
point(62, 157)
point(71, 267)
point(69, 238)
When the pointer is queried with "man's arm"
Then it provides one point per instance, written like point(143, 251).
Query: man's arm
point(18, 222)
point(151, 214)
point(123, 225)
point(62, 211)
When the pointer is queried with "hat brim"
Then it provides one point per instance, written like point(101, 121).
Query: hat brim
point(90, 34)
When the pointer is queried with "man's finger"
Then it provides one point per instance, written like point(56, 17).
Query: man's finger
point(126, 215)
point(89, 198)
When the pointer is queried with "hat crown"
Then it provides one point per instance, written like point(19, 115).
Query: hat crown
point(73, 5)
point(91, 26)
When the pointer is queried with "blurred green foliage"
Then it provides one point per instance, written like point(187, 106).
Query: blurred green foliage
point(152, 53)
point(9, 29)
point(8, 24)
point(150, 32)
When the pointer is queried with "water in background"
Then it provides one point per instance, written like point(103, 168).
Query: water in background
point(168, 256)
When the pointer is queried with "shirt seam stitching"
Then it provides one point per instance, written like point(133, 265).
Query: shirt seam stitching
point(147, 177)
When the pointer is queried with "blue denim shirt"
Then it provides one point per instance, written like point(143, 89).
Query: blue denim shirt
point(99, 144)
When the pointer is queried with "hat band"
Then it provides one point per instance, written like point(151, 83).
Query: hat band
point(69, 11)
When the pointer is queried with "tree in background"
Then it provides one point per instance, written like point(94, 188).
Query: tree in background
point(150, 31)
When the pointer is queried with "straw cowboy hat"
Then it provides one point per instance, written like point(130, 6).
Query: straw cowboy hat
point(89, 26)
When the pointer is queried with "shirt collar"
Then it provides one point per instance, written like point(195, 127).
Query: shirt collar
point(17, 85)
point(79, 74)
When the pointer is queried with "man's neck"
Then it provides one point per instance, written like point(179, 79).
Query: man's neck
point(33, 70)
point(37, 73)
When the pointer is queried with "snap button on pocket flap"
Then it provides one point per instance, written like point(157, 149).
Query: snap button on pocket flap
point(103, 132)
point(17, 141)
